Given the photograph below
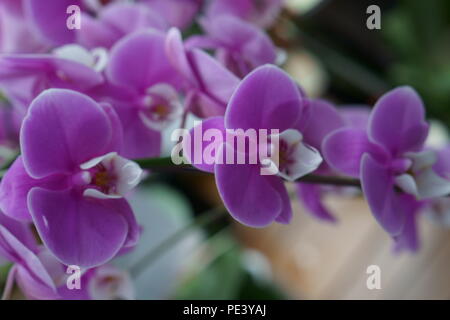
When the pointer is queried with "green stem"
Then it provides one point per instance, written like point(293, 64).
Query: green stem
point(166, 164)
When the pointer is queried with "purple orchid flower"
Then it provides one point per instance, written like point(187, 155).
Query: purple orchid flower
point(266, 99)
point(139, 68)
point(239, 45)
point(178, 13)
point(260, 12)
point(70, 179)
point(116, 21)
point(208, 84)
point(389, 155)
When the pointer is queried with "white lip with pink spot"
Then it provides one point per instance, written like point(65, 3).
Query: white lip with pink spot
point(292, 158)
point(420, 179)
point(110, 176)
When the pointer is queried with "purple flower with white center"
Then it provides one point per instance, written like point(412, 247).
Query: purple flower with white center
point(178, 13)
point(138, 65)
point(116, 21)
point(239, 45)
point(389, 155)
point(208, 84)
point(260, 12)
point(266, 99)
point(71, 180)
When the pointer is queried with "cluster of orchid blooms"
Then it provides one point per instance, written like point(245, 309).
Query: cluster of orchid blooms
point(82, 104)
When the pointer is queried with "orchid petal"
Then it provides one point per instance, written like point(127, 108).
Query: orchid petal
point(139, 61)
point(344, 148)
point(67, 125)
point(378, 187)
point(310, 196)
point(256, 202)
point(266, 99)
point(15, 186)
point(86, 221)
point(194, 150)
point(323, 119)
point(398, 121)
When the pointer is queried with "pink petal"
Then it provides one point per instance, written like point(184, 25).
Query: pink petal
point(67, 125)
point(88, 234)
point(378, 187)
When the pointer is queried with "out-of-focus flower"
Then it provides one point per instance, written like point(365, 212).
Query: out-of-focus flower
point(70, 179)
point(28, 269)
point(260, 12)
point(102, 283)
point(438, 137)
point(116, 21)
point(266, 99)
point(390, 155)
point(48, 20)
point(41, 276)
point(308, 71)
point(301, 6)
point(178, 13)
point(24, 76)
point(138, 65)
point(208, 84)
point(438, 210)
point(239, 45)
point(16, 35)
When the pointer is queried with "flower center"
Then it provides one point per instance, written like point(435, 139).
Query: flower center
point(291, 156)
point(109, 176)
point(417, 176)
point(160, 107)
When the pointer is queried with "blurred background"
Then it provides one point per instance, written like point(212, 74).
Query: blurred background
point(332, 54)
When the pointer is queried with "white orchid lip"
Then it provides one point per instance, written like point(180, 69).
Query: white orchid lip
point(96, 59)
point(291, 157)
point(111, 176)
point(420, 179)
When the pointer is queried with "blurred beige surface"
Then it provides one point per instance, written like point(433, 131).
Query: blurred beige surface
point(315, 260)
